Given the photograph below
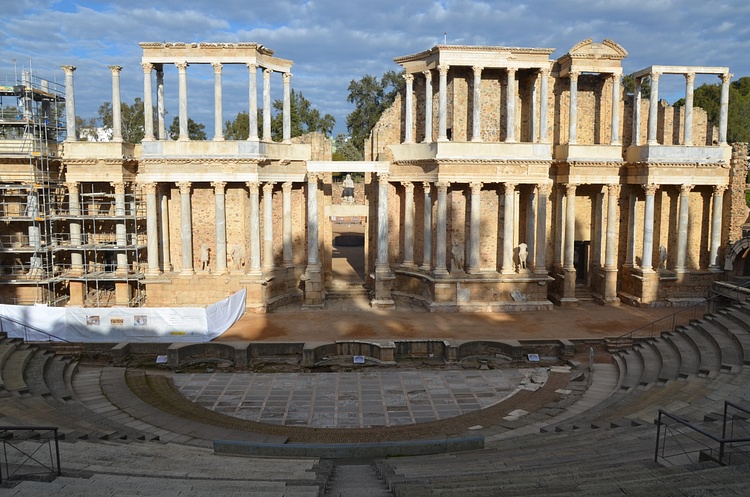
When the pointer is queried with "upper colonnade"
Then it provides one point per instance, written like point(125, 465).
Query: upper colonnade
point(182, 55)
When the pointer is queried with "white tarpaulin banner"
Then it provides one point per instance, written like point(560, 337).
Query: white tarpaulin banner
point(123, 324)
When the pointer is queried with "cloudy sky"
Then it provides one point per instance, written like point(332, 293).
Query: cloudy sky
point(333, 42)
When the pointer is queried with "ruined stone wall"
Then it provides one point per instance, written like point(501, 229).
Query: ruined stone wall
point(736, 210)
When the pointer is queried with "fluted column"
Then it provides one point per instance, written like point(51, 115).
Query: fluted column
point(286, 228)
point(160, 110)
point(408, 104)
point(544, 107)
point(221, 225)
point(427, 106)
point(637, 112)
point(509, 194)
point(313, 260)
point(474, 265)
point(286, 109)
point(510, 136)
point(724, 108)
point(116, 104)
point(183, 98)
point(615, 136)
point(570, 226)
point(648, 228)
point(148, 104)
point(267, 105)
point(427, 228)
point(573, 111)
point(531, 211)
point(408, 223)
point(687, 135)
point(632, 222)
point(443, 104)
point(613, 192)
point(166, 258)
point(382, 254)
point(718, 203)
point(252, 72)
point(70, 104)
point(682, 228)
point(653, 110)
point(268, 264)
point(476, 116)
point(186, 228)
point(152, 230)
point(218, 106)
point(254, 214)
point(74, 208)
point(540, 259)
point(441, 228)
point(559, 242)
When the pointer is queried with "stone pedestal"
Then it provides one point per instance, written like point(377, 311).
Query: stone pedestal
point(610, 287)
point(568, 297)
point(314, 296)
point(77, 291)
point(650, 286)
point(122, 294)
point(384, 280)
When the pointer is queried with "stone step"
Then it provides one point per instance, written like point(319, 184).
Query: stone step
point(689, 355)
point(731, 358)
point(670, 360)
point(651, 364)
point(356, 480)
point(12, 370)
point(710, 360)
point(634, 368)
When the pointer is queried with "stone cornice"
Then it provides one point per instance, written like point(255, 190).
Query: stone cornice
point(202, 161)
point(450, 162)
point(473, 48)
point(206, 46)
point(714, 165)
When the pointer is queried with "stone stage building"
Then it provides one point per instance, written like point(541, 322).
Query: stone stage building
point(510, 182)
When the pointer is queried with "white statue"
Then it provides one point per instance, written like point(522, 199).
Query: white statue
point(523, 254)
point(205, 257)
point(662, 257)
point(236, 255)
point(347, 194)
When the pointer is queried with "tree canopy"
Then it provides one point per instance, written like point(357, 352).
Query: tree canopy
point(133, 129)
point(196, 131)
point(708, 97)
point(344, 149)
point(371, 97)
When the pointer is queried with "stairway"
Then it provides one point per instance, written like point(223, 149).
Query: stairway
point(356, 480)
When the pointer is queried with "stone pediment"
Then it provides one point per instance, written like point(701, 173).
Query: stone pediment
point(588, 56)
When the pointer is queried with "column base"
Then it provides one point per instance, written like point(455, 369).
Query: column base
point(153, 272)
point(187, 272)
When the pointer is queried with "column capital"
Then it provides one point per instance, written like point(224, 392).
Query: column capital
point(184, 187)
point(685, 189)
point(267, 72)
point(252, 66)
point(477, 71)
point(615, 76)
point(286, 76)
point(443, 186)
point(476, 187)
point(545, 71)
point(68, 70)
point(119, 187)
point(613, 189)
point(574, 76)
point(509, 188)
point(313, 177)
point(726, 78)
point(218, 187)
point(570, 188)
point(147, 67)
point(253, 187)
point(720, 189)
point(408, 186)
point(72, 186)
point(286, 186)
point(690, 77)
point(650, 189)
point(181, 66)
point(409, 77)
point(511, 71)
point(115, 69)
point(544, 189)
point(655, 77)
point(426, 185)
point(268, 187)
point(149, 188)
point(218, 66)
point(427, 74)
point(383, 177)
point(443, 69)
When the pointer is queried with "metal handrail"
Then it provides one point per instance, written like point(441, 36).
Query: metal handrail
point(54, 464)
point(628, 336)
point(50, 337)
point(723, 441)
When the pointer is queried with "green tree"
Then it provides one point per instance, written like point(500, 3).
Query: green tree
point(371, 97)
point(708, 97)
point(303, 117)
point(86, 129)
point(196, 131)
point(344, 149)
point(628, 85)
point(132, 120)
point(239, 129)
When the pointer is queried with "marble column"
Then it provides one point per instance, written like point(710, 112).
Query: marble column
point(718, 203)
point(475, 225)
point(252, 72)
point(287, 108)
point(559, 241)
point(682, 228)
point(408, 110)
point(313, 260)
point(544, 107)
point(74, 209)
point(152, 230)
point(267, 105)
point(476, 115)
point(186, 228)
point(441, 238)
point(540, 259)
point(597, 245)
point(687, 135)
point(653, 110)
point(286, 228)
point(148, 103)
point(254, 214)
point(160, 109)
point(166, 258)
point(531, 211)
point(116, 104)
point(615, 136)
point(268, 263)
point(724, 108)
point(183, 99)
point(533, 106)
point(70, 104)
point(427, 106)
point(636, 140)
point(573, 111)
point(381, 262)
point(510, 136)
point(632, 222)
point(408, 223)
point(220, 211)
point(443, 104)
point(218, 106)
point(648, 228)
point(121, 236)
point(570, 226)
point(427, 228)
point(509, 194)
point(610, 250)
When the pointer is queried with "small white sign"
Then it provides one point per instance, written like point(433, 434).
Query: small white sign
point(359, 359)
